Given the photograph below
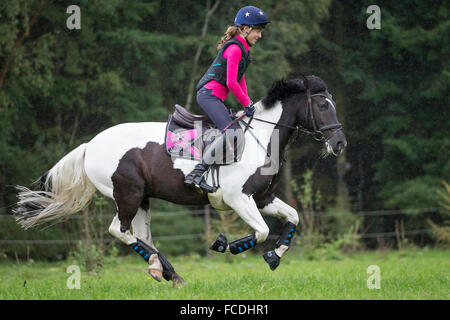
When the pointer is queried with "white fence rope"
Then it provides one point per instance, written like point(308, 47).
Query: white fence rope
point(161, 238)
point(200, 235)
point(212, 212)
point(317, 214)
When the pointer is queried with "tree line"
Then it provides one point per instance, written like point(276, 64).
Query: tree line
point(134, 60)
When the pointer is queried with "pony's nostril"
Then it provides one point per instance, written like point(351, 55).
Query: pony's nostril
point(341, 145)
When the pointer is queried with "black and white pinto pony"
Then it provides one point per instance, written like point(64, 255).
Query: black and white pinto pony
point(129, 164)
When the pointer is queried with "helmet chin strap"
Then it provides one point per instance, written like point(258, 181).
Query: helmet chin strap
point(246, 35)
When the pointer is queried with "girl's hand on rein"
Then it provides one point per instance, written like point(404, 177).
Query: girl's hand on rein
point(250, 109)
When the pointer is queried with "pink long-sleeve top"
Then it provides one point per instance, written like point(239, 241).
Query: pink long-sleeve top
point(233, 55)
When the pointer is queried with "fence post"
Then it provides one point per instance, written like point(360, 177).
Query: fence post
point(207, 228)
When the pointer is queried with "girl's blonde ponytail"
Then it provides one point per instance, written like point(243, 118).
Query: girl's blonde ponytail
point(231, 32)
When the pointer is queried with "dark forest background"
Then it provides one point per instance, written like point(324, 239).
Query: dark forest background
point(133, 60)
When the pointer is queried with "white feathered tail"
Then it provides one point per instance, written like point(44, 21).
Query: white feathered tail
point(65, 190)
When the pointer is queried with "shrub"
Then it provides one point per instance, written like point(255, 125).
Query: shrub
point(89, 256)
point(442, 233)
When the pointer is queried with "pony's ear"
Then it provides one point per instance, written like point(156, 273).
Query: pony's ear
point(305, 81)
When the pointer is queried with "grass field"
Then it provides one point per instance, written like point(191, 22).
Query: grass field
point(413, 274)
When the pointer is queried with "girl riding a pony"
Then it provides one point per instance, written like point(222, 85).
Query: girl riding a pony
point(226, 74)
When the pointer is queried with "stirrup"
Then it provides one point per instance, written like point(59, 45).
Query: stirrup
point(199, 171)
point(201, 185)
point(198, 181)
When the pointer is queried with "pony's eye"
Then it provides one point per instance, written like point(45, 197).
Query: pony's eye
point(323, 106)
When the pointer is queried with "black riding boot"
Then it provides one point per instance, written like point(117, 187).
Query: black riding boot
point(197, 179)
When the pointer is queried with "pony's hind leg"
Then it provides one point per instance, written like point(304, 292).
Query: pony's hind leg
point(144, 247)
point(141, 230)
point(158, 264)
point(130, 194)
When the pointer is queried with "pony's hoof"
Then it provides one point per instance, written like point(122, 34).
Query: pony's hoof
point(155, 267)
point(155, 274)
point(220, 245)
point(177, 281)
point(272, 259)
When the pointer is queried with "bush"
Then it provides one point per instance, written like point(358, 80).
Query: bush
point(89, 256)
point(442, 233)
point(323, 236)
point(315, 246)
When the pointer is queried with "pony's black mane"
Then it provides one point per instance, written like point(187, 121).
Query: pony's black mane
point(282, 89)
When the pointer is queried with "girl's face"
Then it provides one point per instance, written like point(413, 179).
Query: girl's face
point(254, 35)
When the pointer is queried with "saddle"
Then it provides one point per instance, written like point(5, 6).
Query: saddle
point(185, 119)
point(188, 134)
point(184, 133)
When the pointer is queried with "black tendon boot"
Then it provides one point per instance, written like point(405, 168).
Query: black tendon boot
point(143, 249)
point(272, 259)
point(196, 178)
point(243, 244)
point(221, 243)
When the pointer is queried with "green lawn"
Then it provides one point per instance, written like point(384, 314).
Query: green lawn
point(413, 274)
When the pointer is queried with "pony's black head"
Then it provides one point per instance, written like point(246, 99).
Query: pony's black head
point(312, 107)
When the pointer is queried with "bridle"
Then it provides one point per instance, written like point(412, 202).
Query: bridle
point(318, 132)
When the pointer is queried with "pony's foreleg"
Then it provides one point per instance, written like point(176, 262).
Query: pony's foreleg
point(246, 208)
point(158, 264)
point(290, 215)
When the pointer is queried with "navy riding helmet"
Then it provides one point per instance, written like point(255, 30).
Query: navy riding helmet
point(251, 16)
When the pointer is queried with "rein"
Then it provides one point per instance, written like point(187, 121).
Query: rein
point(317, 133)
